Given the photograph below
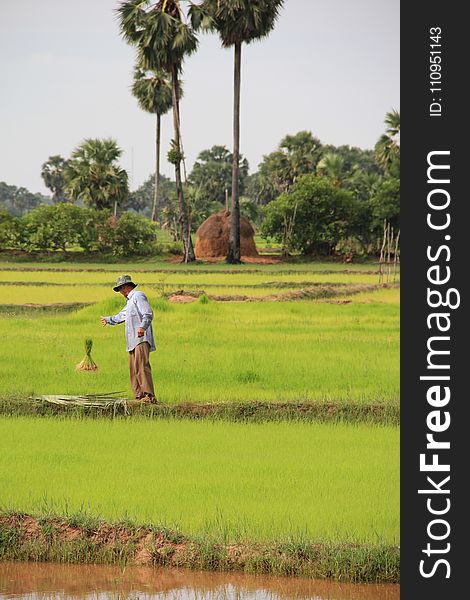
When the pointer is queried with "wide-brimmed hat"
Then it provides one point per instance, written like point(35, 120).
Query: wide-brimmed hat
point(122, 280)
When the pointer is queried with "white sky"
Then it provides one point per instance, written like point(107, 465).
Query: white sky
point(329, 66)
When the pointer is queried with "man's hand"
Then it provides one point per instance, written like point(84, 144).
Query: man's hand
point(140, 332)
point(103, 321)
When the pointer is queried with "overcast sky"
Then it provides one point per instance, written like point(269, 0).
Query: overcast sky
point(329, 66)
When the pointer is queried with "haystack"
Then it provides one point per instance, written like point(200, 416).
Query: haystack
point(212, 237)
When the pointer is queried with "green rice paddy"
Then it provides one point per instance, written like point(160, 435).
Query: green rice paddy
point(146, 265)
point(188, 278)
point(239, 481)
point(243, 481)
point(47, 286)
point(49, 294)
point(216, 352)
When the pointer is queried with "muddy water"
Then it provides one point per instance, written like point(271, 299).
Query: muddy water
point(42, 581)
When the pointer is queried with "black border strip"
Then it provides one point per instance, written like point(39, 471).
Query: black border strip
point(420, 135)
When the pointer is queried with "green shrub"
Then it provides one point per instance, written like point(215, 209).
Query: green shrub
point(63, 225)
point(313, 218)
point(385, 205)
point(7, 229)
point(133, 234)
point(58, 226)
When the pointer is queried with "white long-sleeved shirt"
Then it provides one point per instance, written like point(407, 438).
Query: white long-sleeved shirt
point(137, 313)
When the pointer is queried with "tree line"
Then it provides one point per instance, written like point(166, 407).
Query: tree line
point(300, 189)
point(366, 182)
point(358, 188)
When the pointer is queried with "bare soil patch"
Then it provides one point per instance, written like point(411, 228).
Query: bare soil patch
point(255, 260)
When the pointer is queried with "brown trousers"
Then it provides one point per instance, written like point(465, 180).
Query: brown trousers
point(141, 371)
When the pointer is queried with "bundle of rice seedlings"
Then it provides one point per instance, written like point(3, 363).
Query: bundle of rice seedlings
point(87, 364)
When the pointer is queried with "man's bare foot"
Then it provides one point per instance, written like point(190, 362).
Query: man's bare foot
point(148, 399)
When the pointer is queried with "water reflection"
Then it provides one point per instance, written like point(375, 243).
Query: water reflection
point(43, 581)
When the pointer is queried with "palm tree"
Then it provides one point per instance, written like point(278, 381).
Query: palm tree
point(153, 92)
point(302, 151)
point(387, 149)
point(163, 39)
point(331, 165)
point(237, 22)
point(52, 173)
point(93, 176)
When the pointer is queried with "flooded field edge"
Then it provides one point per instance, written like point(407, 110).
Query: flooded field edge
point(85, 540)
point(79, 581)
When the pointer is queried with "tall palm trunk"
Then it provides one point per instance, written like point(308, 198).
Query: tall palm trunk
point(234, 255)
point(183, 209)
point(157, 167)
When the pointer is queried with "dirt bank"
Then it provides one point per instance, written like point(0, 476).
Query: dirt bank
point(255, 411)
point(81, 540)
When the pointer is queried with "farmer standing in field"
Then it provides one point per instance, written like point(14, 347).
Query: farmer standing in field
point(138, 316)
